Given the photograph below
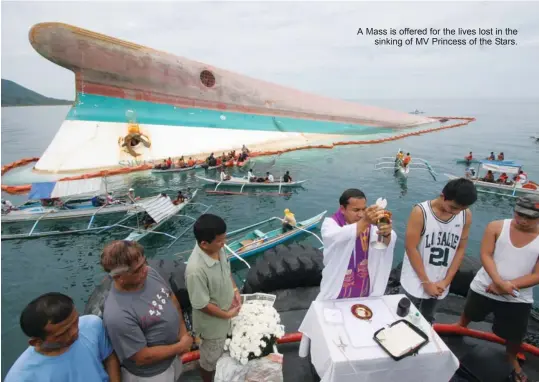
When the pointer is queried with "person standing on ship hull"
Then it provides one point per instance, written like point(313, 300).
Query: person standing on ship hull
point(353, 268)
point(504, 285)
point(435, 243)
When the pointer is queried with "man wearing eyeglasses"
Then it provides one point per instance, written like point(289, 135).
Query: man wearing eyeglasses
point(142, 317)
point(504, 285)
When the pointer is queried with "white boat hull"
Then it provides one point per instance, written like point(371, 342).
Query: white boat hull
point(241, 182)
point(52, 213)
point(175, 169)
point(518, 189)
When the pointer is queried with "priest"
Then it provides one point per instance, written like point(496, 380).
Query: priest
point(352, 266)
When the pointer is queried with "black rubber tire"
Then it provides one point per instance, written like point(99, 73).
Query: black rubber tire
point(285, 267)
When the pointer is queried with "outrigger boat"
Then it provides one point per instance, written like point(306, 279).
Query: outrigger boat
point(68, 209)
point(244, 182)
point(512, 190)
point(161, 210)
point(257, 241)
point(66, 206)
point(401, 170)
point(175, 169)
point(477, 161)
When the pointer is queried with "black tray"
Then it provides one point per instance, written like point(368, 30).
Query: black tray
point(411, 351)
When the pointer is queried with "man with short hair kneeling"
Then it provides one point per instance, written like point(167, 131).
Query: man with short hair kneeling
point(212, 291)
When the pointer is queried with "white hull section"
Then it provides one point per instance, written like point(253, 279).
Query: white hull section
point(85, 145)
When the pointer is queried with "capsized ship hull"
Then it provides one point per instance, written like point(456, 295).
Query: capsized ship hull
point(135, 103)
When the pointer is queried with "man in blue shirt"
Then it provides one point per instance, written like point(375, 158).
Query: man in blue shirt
point(63, 347)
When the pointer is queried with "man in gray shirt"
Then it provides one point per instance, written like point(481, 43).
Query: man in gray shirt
point(142, 317)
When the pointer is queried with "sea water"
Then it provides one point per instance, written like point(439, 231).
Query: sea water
point(70, 264)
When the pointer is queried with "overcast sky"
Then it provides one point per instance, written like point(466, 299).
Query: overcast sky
point(310, 46)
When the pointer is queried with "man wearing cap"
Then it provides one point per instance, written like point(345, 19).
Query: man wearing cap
point(504, 285)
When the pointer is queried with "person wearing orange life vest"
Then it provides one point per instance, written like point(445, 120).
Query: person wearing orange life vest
point(503, 178)
point(407, 160)
point(181, 162)
point(469, 157)
point(501, 156)
point(190, 162)
point(169, 162)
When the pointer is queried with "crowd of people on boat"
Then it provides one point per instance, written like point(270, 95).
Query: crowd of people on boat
point(143, 332)
point(519, 179)
point(211, 160)
point(168, 164)
point(500, 157)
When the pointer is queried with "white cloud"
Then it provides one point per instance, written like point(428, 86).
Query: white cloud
point(311, 46)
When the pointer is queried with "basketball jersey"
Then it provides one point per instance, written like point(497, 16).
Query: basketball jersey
point(439, 242)
point(511, 263)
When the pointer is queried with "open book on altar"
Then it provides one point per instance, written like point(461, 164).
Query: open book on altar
point(401, 339)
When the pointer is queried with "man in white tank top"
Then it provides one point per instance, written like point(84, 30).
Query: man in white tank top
point(436, 238)
point(504, 286)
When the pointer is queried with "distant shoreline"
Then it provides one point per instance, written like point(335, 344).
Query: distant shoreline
point(55, 104)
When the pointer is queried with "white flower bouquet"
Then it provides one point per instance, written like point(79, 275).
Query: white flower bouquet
point(254, 331)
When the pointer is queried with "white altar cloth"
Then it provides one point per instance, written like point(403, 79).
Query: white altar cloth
point(342, 347)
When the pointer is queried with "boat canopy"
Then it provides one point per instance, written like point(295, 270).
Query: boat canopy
point(60, 189)
point(159, 208)
point(509, 168)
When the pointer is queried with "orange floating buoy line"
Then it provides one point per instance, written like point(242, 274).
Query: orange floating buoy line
point(25, 188)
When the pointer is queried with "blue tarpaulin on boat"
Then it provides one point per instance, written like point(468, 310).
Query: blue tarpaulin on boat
point(42, 190)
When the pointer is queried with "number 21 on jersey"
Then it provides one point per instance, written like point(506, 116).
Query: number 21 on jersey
point(439, 256)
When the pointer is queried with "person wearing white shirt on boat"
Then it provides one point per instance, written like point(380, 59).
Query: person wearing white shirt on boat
point(504, 285)
point(470, 173)
point(522, 177)
point(224, 175)
point(131, 196)
point(250, 176)
point(269, 178)
point(7, 206)
point(435, 244)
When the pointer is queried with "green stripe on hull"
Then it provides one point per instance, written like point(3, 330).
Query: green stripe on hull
point(108, 109)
